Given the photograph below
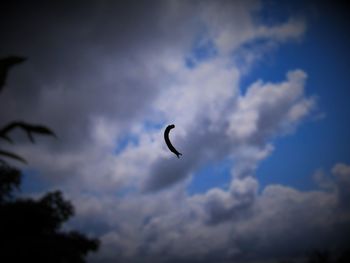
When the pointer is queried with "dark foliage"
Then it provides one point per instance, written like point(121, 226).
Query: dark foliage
point(30, 229)
point(9, 182)
point(327, 257)
point(5, 65)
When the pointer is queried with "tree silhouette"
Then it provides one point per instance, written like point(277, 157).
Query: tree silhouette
point(326, 256)
point(30, 229)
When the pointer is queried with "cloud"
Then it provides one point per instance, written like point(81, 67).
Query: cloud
point(267, 109)
point(94, 77)
point(236, 225)
point(103, 72)
point(341, 172)
point(222, 205)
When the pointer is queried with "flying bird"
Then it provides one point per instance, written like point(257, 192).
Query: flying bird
point(167, 140)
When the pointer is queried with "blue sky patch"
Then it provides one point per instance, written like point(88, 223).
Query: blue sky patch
point(125, 141)
point(211, 175)
point(316, 143)
point(153, 125)
point(202, 50)
point(32, 182)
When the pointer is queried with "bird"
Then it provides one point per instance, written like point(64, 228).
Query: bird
point(167, 140)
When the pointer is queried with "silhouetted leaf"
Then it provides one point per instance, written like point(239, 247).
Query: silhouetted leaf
point(6, 138)
point(40, 129)
point(13, 156)
point(28, 128)
point(5, 65)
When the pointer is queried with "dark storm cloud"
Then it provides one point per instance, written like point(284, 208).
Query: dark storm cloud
point(98, 68)
point(86, 60)
point(93, 68)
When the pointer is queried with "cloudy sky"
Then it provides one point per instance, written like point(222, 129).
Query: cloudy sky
point(258, 92)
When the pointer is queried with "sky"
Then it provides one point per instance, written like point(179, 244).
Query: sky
point(258, 92)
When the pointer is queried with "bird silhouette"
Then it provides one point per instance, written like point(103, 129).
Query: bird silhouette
point(167, 140)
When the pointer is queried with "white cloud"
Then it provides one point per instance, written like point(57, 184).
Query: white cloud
point(341, 172)
point(219, 225)
point(265, 108)
point(121, 72)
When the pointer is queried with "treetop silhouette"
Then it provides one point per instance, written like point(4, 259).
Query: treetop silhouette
point(30, 230)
